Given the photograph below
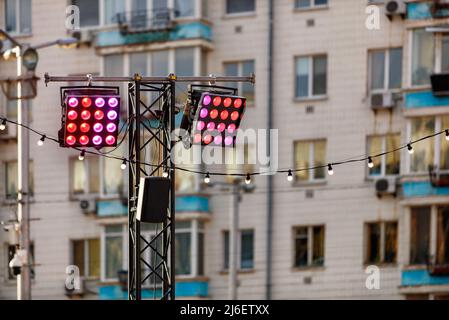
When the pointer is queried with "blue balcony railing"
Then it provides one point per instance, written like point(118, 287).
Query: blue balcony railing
point(144, 21)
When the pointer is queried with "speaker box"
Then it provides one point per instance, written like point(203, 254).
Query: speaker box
point(152, 204)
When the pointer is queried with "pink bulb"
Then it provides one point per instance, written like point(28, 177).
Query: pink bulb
point(221, 127)
point(218, 139)
point(200, 125)
point(113, 102)
point(99, 102)
point(228, 140)
point(210, 126)
point(112, 115)
point(111, 127)
point(98, 127)
point(203, 113)
point(110, 140)
point(73, 102)
point(97, 140)
point(206, 100)
point(231, 128)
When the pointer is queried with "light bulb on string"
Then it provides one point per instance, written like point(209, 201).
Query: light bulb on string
point(81, 156)
point(40, 142)
point(207, 178)
point(165, 174)
point(248, 179)
point(370, 162)
point(410, 149)
point(447, 134)
point(330, 171)
point(123, 165)
point(289, 176)
point(3, 125)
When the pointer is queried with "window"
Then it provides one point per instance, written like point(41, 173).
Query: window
point(381, 242)
point(184, 66)
point(113, 246)
point(385, 69)
point(309, 3)
point(184, 8)
point(422, 56)
point(113, 175)
point(240, 6)
point(431, 152)
point(86, 256)
point(241, 69)
point(111, 9)
point(245, 249)
point(442, 256)
point(11, 250)
point(12, 182)
point(89, 12)
point(386, 164)
point(310, 154)
point(189, 258)
point(420, 235)
point(308, 246)
point(113, 65)
point(18, 16)
point(311, 76)
point(85, 176)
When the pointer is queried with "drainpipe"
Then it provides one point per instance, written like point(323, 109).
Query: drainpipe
point(270, 177)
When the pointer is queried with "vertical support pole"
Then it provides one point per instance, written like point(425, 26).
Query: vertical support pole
point(172, 192)
point(131, 197)
point(23, 210)
point(137, 264)
point(233, 239)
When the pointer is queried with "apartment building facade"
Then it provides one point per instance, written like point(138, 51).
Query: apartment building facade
point(340, 90)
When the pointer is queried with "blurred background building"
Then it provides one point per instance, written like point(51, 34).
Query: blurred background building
point(339, 90)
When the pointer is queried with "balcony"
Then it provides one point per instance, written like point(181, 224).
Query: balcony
point(432, 9)
point(134, 22)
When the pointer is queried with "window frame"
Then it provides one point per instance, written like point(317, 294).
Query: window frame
point(13, 198)
point(383, 224)
point(383, 158)
point(435, 67)
point(239, 85)
point(312, 179)
point(124, 234)
point(239, 14)
point(386, 80)
point(86, 258)
point(226, 233)
point(310, 246)
point(310, 77)
point(312, 5)
point(17, 31)
point(437, 145)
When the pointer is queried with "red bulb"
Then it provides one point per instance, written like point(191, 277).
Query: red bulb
point(213, 114)
point(70, 140)
point(227, 102)
point(217, 101)
point(84, 140)
point(238, 103)
point(224, 115)
point(84, 127)
point(197, 138)
point(99, 115)
point(86, 102)
point(85, 115)
point(72, 115)
point(234, 115)
point(71, 127)
point(110, 140)
point(207, 139)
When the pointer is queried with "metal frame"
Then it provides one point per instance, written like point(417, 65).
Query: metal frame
point(163, 108)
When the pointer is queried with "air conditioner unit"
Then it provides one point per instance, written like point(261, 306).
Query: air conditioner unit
point(384, 100)
point(395, 8)
point(77, 292)
point(88, 206)
point(386, 186)
point(10, 132)
point(84, 36)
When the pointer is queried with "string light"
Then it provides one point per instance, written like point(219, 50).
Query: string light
point(447, 134)
point(3, 125)
point(207, 178)
point(248, 179)
point(370, 162)
point(410, 149)
point(330, 171)
point(123, 165)
point(165, 174)
point(40, 142)
point(290, 176)
point(81, 156)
